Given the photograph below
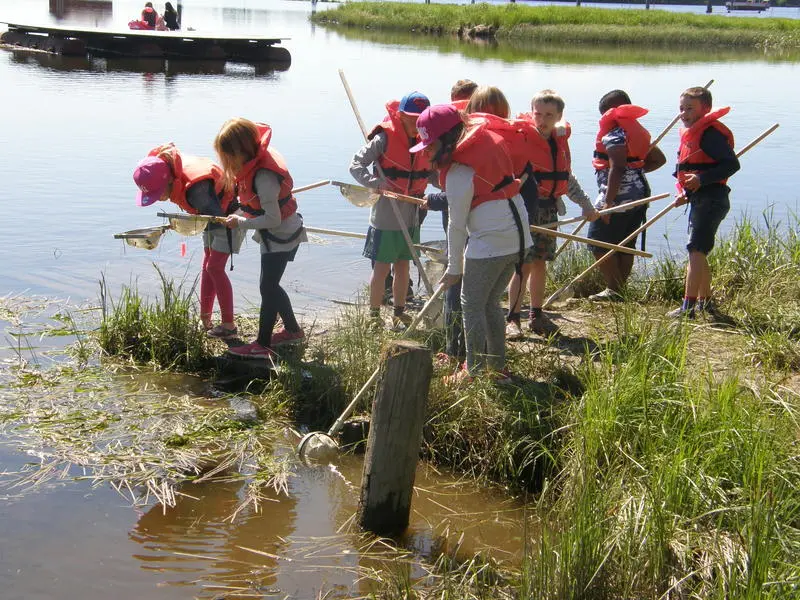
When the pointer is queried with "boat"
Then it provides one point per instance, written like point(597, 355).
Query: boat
point(753, 5)
point(186, 45)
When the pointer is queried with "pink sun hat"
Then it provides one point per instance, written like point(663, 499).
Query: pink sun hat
point(434, 122)
point(152, 178)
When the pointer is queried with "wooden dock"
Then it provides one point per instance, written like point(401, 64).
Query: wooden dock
point(185, 45)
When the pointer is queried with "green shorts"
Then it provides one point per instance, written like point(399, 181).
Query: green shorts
point(389, 246)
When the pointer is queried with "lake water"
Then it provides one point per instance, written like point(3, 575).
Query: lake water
point(73, 129)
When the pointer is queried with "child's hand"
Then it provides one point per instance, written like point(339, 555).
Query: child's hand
point(691, 183)
point(590, 214)
point(680, 200)
point(233, 221)
point(448, 280)
point(424, 205)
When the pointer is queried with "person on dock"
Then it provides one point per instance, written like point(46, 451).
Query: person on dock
point(706, 160)
point(149, 15)
point(395, 169)
point(267, 205)
point(547, 146)
point(484, 202)
point(622, 156)
point(197, 186)
point(171, 17)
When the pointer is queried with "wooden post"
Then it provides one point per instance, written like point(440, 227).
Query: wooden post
point(395, 438)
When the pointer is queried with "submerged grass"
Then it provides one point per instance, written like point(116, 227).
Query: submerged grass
point(569, 24)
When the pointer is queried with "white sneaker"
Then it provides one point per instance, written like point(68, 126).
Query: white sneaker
point(607, 295)
point(514, 331)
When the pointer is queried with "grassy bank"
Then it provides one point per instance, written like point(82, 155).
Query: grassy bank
point(657, 459)
point(566, 24)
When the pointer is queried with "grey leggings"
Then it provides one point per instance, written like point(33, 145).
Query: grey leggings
point(485, 279)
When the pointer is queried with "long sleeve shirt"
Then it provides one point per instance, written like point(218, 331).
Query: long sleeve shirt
point(381, 214)
point(490, 226)
point(267, 185)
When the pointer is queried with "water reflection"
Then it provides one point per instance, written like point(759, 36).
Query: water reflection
point(169, 67)
point(198, 532)
point(518, 50)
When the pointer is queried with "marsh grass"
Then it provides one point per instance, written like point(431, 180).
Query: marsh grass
point(164, 332)
point(570, 24)
point(145, 443)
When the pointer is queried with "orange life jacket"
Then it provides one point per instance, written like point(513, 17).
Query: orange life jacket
point(551, 172)
point(406, 173)
point(460, 104)
point(516, 135)
point(189, 170)
point(487, 153)
point(637, 138)
point(270, 159)
point(691, 158)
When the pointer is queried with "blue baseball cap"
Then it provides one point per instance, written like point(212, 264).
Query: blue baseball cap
point(414, 103)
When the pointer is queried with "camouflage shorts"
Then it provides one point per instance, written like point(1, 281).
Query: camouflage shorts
point(544, 246)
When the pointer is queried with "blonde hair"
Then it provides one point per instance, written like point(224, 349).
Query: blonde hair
point(462, 89)
point(549, 97)
point(489, 99)
point(236, 144)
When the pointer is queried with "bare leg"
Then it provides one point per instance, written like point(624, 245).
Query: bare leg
point(538, 270)
point(377, 282)
point(400, 283)
point(515, 288)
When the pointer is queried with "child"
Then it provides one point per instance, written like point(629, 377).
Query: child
point(705, 161)
point(197, 186)
point(265, 198)
point(621, 158)
point(461, 92)
point(483, 197)
point(552, 178)
point(398, 170)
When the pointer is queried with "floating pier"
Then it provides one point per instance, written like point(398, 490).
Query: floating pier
point(186, 45)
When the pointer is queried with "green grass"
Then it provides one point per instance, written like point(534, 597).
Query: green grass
point(568, 24)
point(165, 332)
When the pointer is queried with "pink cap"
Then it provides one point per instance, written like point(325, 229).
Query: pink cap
point(435, 121)
point(152, 176)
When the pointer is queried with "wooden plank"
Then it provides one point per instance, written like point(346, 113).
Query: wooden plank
point(140, 34)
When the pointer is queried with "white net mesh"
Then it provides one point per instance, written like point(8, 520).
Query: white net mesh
point(358, 196)
point(146, 239)
point(188, 225)
point(318, 447)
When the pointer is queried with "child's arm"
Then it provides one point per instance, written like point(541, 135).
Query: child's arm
point(364, 158)
point(460, 191)
point(436, 201)
point(578, 196)
point(202, 197)
point(618, 162)
point(267, 185)
point(655, 159)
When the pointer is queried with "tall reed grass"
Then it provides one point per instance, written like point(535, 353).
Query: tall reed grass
point(164, 332)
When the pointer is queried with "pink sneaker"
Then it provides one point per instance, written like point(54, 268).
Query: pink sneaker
point(252, 350)
point(460, 376)
point(284, 338)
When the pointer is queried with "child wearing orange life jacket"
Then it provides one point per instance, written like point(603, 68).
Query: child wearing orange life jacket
point(622, 156)
point(399, 171)
point(266, 205)
point(550, 178)
point(484, 202)
point(461, 92)
point(705, 161)
point(197, 186)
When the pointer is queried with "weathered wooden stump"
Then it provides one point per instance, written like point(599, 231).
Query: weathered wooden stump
point(395, 437)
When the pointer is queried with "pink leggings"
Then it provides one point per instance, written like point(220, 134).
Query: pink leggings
point(214, 283)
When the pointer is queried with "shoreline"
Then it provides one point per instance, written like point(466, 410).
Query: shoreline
point(574, 25)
